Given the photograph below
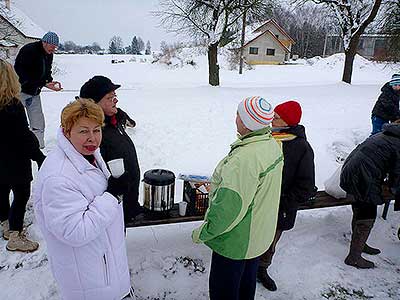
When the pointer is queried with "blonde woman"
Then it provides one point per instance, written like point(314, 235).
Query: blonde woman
point(78, 210)
point(19, 147)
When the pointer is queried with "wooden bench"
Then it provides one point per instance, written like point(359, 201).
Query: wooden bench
point(322, 200)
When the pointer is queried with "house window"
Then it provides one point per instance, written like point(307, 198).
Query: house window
point(253, 50)
point(271, 52)
point(361, 44)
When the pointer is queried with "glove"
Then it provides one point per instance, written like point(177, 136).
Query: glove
point(40, 160)
point(118, 186)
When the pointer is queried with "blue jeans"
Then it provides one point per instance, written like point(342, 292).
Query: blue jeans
point(33, 106)
point(377, 124)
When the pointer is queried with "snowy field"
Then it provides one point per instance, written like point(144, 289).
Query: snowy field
point(185, 125)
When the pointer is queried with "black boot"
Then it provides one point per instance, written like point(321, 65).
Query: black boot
point(361, 231)
point(267, 282)
point(367, 249)
point(370, 250)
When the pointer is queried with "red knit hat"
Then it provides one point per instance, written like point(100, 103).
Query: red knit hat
point(290, 112)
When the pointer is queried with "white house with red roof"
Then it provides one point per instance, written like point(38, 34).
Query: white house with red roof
point(267, 43)
point(16, 29)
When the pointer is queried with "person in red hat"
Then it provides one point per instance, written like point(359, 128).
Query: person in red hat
point(298, 177)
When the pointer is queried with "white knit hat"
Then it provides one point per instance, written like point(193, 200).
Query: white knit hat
point(255, 113)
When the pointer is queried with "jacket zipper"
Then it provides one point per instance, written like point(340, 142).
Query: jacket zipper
point(106, 275)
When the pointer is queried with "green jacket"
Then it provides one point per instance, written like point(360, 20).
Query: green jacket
point(244, 199)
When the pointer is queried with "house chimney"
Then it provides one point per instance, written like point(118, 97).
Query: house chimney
point(8, 3)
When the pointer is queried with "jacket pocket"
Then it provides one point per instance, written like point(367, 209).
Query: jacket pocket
point(106, 270)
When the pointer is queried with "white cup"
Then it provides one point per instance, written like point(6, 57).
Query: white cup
point(116, 167)
point(182, 208)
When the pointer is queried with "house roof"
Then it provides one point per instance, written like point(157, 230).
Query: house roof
point(273, 37)
point(20, 21)
point(281, 30)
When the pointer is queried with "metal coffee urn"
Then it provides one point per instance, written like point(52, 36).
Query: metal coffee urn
point(159, 190)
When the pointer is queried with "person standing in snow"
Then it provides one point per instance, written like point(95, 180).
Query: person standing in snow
point(33, 65)
point(298, 177)
point(363, 174)
point(116, 142)
point(240, 223)
point(79, 212)
point(386, 109)
point(19, 147)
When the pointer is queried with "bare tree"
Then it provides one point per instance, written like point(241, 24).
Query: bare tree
point(216, 21)
point(392, 27)
point(353, 17)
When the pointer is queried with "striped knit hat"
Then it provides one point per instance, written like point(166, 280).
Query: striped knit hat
point(51, 38)
point(395, 80)
point(255, 113)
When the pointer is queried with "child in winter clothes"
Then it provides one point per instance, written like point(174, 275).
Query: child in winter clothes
point(241, 221)
point(20, 146)
point(298, 177)
point(386, 109)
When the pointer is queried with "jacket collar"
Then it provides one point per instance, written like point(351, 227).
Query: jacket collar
point(254, 136)
point(77, 159)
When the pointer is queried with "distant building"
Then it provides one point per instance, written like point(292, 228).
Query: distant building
point(16, 30)
point(267, 43)
point(371, 46)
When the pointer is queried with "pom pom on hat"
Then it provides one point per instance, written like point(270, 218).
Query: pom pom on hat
point(395, 80)
point(255, 112)
point(51, 38)
point(290, 112)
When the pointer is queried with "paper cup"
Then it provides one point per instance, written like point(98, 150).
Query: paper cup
point(116, 167)
point(182, 208)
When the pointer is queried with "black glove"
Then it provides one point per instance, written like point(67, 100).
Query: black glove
point(118, 186)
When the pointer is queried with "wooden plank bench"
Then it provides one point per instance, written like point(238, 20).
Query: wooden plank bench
point(322, 200)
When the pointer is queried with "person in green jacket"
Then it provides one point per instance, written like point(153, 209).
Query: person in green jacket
point(240, 223)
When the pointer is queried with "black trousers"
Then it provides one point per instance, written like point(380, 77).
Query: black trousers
point(232, 279)
point(364, 211)
point(16, 213)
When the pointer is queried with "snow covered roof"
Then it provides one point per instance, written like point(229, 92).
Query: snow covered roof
point(277, 26)
point(258, 34)
point(21, 21)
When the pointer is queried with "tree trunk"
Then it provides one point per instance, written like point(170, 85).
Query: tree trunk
point(213, 68)
point(349, 59)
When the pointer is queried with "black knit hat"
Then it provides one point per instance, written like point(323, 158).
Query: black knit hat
point(97, 87)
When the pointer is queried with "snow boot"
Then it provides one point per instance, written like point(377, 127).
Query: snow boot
point(6, 229)
point(362, 229)
point(19, 242)
point(367, 249)
point(266, 280)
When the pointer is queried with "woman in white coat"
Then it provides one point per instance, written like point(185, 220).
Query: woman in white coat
point(78, 211)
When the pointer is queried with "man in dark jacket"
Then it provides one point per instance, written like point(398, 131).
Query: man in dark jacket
point(33, 66)
point(116, 143)
point(362, 176)
point(298, 177)
point(386, 109)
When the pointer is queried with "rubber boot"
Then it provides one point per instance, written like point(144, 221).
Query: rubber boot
point(362, 229)
point(367, 249)
point(265, 279)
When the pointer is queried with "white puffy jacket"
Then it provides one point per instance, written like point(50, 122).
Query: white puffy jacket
point(82, 225)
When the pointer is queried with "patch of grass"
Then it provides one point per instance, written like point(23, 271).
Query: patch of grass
point(339, 292)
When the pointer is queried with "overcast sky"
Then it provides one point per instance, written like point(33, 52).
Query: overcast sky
point(88, 21)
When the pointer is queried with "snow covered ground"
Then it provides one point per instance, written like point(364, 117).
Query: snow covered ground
point(185, 125)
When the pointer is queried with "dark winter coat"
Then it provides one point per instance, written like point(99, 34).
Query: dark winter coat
point(298, 177)
point(369, 163)
point(387, 106)
point(117, 144)
point(19, 146)
point(33, 66)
